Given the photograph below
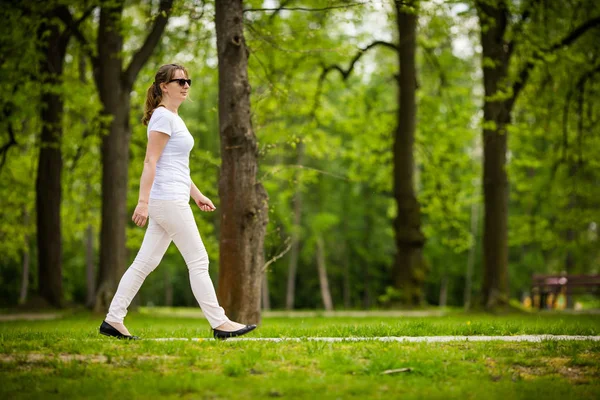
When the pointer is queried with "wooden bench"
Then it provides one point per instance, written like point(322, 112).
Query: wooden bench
point(545, 285)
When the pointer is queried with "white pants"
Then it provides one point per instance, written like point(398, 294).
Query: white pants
point(169, 220)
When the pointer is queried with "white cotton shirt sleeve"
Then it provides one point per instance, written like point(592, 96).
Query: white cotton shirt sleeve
point(160, 122)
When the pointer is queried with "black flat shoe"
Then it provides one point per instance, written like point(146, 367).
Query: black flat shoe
point(107, 330)
point(224, 334)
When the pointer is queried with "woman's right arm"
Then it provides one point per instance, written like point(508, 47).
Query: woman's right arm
point(156, 144)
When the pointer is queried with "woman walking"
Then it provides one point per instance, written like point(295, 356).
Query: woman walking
point(165, 189)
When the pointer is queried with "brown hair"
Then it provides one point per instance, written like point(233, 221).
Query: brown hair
point(154, 94)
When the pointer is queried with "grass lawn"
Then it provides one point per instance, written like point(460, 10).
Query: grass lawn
point(67, 358)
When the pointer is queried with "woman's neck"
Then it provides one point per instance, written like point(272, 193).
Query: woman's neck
point(169, 105)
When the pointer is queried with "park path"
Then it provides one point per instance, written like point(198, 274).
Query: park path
point(30, 316)
point(408, 339)
point(195, 313)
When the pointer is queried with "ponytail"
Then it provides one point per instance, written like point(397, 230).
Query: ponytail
point(153, 99)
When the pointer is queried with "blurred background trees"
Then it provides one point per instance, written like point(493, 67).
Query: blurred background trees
point(504, 174)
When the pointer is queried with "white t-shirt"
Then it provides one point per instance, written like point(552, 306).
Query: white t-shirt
point(172, 180)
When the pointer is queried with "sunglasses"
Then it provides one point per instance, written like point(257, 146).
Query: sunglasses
point(182, 81)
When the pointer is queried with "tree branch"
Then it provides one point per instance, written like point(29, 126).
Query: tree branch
point(11, 142)
point(581, 87)
point(73, 27)
point(144, 52)
point(519, 25)
point(567, 40)
point(565, 125)
point(278, 256)
point(428, 51)
point(282, 5)
point(6, 112)
point(346, 73)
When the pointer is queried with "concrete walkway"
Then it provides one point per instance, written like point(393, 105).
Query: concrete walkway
point(408, 339)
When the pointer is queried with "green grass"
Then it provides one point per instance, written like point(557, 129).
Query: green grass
point(66, 358)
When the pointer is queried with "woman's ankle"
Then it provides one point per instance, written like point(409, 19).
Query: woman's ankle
point(119, 326)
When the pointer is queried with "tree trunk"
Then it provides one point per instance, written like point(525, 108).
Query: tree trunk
point(243, 200)
point(266, 301)
point(115, 154)
point(346, 248)
point(444, 291)
point(347, 290)
point(366, 274)
point(323, 281)
point(293, 265)
point(408, 276)
point(496, 114)
point(471, 257)
point(114, 86)
point(26, 260)
point(90, 267)
point(48, 182)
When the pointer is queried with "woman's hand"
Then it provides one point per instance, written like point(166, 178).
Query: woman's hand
point(204, 203)
point(140, 215)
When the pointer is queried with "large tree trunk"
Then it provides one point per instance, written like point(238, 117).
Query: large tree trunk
point(115, 163)
point(48, 182)
point(408, 276)
point(293, 265)
point(114, 86)
point(323, 280)
point(243, 200)
point(115, 153)
point(496, 114)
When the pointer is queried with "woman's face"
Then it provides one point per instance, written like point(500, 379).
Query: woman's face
point(174, 90)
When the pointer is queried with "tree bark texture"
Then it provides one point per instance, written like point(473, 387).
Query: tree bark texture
point(114, 85)
point(243, 200)
point(496, 114)
point(409, 274)
point(48, 183)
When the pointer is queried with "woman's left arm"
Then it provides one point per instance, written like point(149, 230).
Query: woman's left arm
point(201, 200)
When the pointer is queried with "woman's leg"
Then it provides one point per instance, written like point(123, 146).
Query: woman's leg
point(155, 244)
point(181, 225)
